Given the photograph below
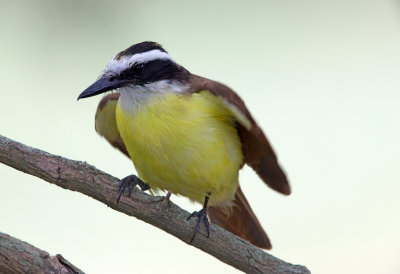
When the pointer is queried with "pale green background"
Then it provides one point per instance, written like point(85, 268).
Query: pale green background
point(321, 78)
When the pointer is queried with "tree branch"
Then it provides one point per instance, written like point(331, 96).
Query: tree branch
point(17, 256)
point(84, 178)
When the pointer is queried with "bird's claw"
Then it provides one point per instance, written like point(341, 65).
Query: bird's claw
point(202, 217)
point(129, 182)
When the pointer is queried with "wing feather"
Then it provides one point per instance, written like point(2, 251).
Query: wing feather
point(256, 149)
point(106, 124)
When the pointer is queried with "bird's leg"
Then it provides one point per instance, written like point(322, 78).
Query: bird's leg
point(129, 182)
point(168, 196)
point(165, 201)
point(202, 217)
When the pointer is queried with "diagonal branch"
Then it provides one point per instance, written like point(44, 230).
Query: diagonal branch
point(86, 179)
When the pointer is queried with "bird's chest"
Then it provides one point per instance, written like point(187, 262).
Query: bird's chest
point(156, 127)
point(186, 144)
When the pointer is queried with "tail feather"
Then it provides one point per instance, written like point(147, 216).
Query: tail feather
point(241, 221)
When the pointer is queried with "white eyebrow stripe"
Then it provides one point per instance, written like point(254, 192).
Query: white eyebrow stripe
point(119, 65)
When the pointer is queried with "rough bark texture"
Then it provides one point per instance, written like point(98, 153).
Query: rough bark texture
point(84, 178)
point(17, 256)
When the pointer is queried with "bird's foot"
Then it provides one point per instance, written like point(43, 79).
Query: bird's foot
point(129, 182)
point(202, 217)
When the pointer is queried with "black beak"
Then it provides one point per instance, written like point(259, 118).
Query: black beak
point(102, 85)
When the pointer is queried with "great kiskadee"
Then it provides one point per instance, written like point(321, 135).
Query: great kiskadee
point(185, 134)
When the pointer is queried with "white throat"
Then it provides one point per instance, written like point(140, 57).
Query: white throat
point(133, 97)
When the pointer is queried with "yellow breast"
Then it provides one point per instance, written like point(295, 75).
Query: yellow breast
point(187, 144)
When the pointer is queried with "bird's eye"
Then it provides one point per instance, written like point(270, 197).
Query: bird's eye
point(111, 79)
point(138, 68)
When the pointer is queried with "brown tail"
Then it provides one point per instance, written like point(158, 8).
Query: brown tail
point(241, 221)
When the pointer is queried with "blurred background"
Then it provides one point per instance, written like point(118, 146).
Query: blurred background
point(320, 77)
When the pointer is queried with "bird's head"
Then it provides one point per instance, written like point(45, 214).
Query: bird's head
point(144, 66)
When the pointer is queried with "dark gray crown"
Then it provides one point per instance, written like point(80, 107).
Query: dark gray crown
point(139, 48)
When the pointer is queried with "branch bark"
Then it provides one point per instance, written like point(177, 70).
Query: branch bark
point(86, 179)
point(17, 256)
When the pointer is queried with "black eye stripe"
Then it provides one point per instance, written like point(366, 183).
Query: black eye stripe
point(155, 70)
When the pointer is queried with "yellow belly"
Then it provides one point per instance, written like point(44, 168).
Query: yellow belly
point(187, 144)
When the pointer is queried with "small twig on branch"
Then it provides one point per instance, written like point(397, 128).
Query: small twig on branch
point(17, 256)
point(84, 178)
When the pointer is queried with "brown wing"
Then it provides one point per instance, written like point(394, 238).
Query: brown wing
point(256, 149)
point(106, 124)
point(240, 221)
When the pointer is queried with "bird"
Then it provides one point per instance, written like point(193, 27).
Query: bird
point(186, 135)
